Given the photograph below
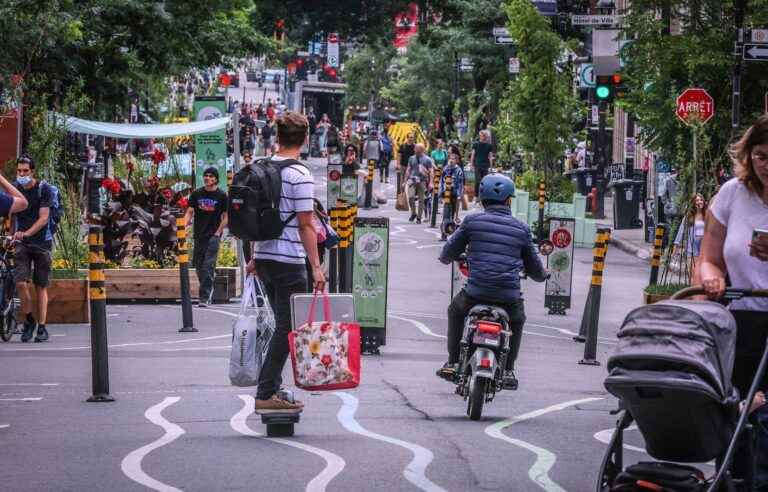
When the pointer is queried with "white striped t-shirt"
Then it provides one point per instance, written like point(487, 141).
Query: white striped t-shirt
point(296, 196)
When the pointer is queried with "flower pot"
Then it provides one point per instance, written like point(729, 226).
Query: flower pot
point(68, 302)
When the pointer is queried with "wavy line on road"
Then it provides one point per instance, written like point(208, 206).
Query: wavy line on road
point(334, 464)
point(415, 471)
point(435, 232)
point(545, 459)
point(131, 464)
point(604, 436)
point(419, 325)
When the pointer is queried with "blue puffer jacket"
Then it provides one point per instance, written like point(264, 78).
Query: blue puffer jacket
point(498, 248)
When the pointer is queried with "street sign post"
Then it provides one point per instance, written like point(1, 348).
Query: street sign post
point(695, 104)
point(369, 279)
point(557, 290)
point(755, 52)
point(333, 50)
point(595, 20)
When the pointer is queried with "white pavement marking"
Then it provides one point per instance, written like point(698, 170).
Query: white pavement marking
point(418, 324)
point(545, 459)
point(29, 384)
point(334, 464)
point(435, 232)
point(211, 347)
point(415, 471)
point(604, 436)
point(22, 399)
point(425, 246)
point(58, 334)
point(134, 344)
point(131, 464)
point(4, 426)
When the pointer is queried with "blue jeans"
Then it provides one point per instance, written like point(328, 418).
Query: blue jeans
point(204, 260)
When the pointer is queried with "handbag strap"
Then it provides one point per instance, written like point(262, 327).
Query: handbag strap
point(313, 306)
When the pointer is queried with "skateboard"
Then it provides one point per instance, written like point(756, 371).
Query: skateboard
point(281, 424)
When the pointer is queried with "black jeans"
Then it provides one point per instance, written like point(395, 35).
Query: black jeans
point(204, 259)
point(280, 280)
point(752, 329)
point(384, 166)
point(480, 173)
point(458, 309)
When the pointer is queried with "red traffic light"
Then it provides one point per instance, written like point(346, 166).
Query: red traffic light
point(616, 79)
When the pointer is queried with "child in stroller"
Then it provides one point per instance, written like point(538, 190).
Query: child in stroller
point(672, 374)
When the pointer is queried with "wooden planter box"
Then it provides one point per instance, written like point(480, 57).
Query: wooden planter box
point(139, 284)
point(654, 298)
point(68, 302)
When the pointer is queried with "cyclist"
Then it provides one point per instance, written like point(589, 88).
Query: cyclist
point(499, 247)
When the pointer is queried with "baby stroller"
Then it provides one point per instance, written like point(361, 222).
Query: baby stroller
point(671, 372)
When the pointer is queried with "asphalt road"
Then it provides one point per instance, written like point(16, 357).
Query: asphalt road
point(177, 424)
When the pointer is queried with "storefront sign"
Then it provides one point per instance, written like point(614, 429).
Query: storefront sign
point(211, 148)
point(557, 291)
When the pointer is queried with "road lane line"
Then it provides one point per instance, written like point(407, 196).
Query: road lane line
point(418, 324)
point(424, 246)
point(29, 384)
point(4, 426)
point(187, 349)
point(38, 398)
point(131, 464)
point(334, 464)
point(415, 471)
point(545, 459)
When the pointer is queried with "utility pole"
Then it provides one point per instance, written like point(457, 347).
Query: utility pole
point(600, 156)
point(740, 7)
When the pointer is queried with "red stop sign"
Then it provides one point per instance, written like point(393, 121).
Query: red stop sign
point(695, 104)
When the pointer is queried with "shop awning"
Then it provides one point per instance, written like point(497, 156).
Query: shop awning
point(143, 131)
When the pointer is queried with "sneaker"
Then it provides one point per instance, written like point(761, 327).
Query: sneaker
point(509, 380)
point(277, 405)
point(29, 330)
point(418, 220)
point(412, 218)
point(448, 371)
point(42, 335)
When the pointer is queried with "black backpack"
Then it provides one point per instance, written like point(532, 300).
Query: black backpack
point(254, 201)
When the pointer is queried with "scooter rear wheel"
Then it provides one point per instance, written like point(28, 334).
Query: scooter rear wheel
point(476, 398)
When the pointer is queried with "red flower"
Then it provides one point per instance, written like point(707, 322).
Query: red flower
point(183, 202)
point(112, 185)
point(326, 360)
point(167, 194)
point(325, 327)
point(158, 156)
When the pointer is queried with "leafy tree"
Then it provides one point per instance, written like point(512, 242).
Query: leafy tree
point(368, 71)
point(539, 109)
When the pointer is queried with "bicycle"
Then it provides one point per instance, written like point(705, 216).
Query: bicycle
point(8, 298)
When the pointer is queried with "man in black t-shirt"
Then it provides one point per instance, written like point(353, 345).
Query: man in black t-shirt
point(481, 160)
point(208, 207)
point(407, 150)
point(32, 254)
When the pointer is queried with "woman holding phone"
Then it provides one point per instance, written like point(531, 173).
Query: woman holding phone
point(734, 246)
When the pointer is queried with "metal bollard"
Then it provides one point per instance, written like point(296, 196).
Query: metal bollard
point(368, 203)
point(350, 259)
point(591, 317)
point(448, 209)
point(344, 212)
point(542, 202)
point(187, 324)
point(656, 260)
point(98, 293)
point(435, 197)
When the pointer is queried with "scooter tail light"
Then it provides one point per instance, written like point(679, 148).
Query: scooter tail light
point(485, 363)
point(488, 327)
point(645, 485)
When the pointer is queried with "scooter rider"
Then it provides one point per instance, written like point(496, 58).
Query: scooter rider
point(499, 247)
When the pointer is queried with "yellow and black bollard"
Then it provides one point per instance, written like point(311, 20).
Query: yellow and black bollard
point(656, 259)
point(187, 324)
point(333, 254)
point(368, 203)
point(435, 196)
point(449, 202)
point(591, 318)
point(344, 214)
point(350, 258)
point(542, 202)
point(98, 293)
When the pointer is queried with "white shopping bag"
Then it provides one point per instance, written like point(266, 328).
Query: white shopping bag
point(251, 333)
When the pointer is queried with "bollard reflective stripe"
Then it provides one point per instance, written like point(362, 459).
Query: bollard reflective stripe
point(656, 258)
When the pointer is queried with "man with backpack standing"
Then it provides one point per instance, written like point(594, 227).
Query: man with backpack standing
point(32, 254)
point(280, 262)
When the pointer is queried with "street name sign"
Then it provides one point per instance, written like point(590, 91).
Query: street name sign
point(500, 31)
point(595, 20)
point(756, 52)
point(695, 104)
point(759, 35)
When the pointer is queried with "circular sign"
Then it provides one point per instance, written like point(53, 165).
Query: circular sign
point(333, 38)
point(370, 246)
point(334, 175)
point(695, 105)
point(561, 238)
point(332, 61)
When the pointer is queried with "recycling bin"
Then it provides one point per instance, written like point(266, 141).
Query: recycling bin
point(626, 203)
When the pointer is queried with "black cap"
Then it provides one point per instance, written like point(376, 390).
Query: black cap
point(212, 170)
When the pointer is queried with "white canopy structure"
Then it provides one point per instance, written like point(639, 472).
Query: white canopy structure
point(143, 131)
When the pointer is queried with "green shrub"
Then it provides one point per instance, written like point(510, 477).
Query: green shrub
point(560, 188)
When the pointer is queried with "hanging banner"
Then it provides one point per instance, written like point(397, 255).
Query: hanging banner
point(557, 290)
point(370, 276)
point(406, 27)
point(333, 189)
point(211, 148)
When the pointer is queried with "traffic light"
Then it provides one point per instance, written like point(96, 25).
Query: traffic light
point(604, 87)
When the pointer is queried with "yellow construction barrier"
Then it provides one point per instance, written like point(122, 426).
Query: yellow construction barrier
point(398, 133)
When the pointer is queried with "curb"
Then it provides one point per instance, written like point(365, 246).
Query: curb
point(630, 248)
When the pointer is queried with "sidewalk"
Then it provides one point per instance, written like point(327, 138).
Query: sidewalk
point(631, 241)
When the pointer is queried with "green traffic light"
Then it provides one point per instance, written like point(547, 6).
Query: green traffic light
point(602, 91)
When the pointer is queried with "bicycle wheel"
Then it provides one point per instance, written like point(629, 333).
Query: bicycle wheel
point(8, 323)
point(7, 326)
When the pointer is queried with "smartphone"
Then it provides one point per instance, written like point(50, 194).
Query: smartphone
point(762, 233)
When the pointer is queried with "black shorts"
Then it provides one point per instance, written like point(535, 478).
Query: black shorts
point(32, 263)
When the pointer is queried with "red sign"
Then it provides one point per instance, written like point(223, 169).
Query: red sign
point(224, 80)
point(406, 26)
point(695, 104)
point(561, 238)
point(333, 38)
point(334, 175)
point(291, 68)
